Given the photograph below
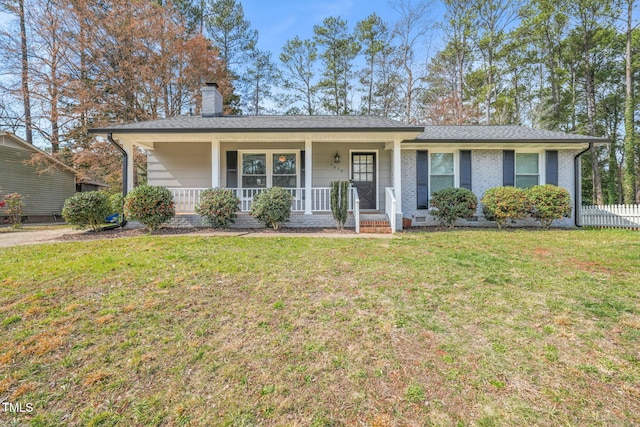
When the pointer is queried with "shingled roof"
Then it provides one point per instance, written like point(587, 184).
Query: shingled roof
point(499, 133)
point(262, 124)
point(446, 133)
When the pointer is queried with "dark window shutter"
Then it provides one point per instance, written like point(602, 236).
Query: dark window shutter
point(422, 179)
point(232, 169)
point(551, 167)
point(508, 168)
point(302, 164)
point(465, 169)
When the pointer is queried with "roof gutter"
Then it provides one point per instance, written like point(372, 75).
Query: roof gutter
point(577, 196)
point(125, 162)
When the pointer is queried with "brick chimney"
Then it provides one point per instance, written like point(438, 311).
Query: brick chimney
point(211, 100)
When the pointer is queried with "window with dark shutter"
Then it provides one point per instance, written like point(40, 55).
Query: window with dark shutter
point(302, 168)
point(551, 167)
point(508, 168)
point(422, 179)
point(465, 169)
point(232, 169)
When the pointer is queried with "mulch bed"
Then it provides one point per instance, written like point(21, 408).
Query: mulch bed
point(167, 231)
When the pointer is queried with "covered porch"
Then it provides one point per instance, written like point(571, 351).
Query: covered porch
point(186, 198)
point(304, 168)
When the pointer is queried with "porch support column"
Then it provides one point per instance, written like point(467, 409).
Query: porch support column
point(308, 175)
point(215, 163)
point(128, 148)
point(397, 181)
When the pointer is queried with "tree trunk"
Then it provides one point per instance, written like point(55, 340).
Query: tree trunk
point(629, 181)
point(25, 74)
point(487, 99)
point(591, 124)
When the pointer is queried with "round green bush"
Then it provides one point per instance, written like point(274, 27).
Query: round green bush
point(150, 205)
point(87, 210)
point(452, 204)
point(272, 206)
point(218, 207)
point(500, 204)
point(548, 203)
point(117, 205)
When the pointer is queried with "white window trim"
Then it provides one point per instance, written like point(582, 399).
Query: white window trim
point(456, 167)
point(541, 165)
point(269, 156)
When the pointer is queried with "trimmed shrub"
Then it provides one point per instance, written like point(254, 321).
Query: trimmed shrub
point(150, 205)
point(87, 210)
point(548, 203)
point(117, 205)
point(218, 207)
point(14, 204)
point(452, 204)
point(272, 207)
point(340, 202)
point(503, 203)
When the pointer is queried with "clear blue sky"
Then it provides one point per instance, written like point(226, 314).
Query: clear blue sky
point(280, 20)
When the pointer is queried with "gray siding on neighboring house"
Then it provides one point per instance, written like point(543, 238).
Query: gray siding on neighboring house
point(184, 164)
point(486, 174)
point(44, 193)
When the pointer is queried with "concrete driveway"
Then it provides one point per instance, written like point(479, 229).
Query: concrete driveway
point(31, 237)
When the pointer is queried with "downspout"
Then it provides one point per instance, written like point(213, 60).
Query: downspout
point(577, 187)
point(125, 161)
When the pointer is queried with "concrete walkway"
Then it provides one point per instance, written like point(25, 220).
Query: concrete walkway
point(54, 235)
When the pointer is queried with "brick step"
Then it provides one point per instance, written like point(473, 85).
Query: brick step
point(375, 224)
point(375, 230)
point(375, 227)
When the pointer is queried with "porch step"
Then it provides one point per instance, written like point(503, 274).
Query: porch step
point(377, 227)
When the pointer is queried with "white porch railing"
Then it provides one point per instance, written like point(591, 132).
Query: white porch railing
point(356, 208)
point(619, 216)
point(186, 199)
point(390, 207)
point(246, 196)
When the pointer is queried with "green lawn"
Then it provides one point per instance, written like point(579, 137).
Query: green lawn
point(446, 328)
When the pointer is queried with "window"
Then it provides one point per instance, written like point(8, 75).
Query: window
point(254, 170)
point(442, 172)
point(269, 169)
point(284, 170)
point(527, 170)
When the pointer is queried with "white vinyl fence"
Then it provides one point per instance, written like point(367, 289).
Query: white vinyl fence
point(619, 216)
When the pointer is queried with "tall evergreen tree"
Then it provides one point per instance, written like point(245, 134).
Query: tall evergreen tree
point(230, 32)
point(340, 49)
point(261, 75)
point(373, 34)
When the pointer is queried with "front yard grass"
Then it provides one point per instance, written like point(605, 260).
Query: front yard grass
point(448, 328)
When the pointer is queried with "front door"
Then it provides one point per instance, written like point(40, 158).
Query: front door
point(363, 176)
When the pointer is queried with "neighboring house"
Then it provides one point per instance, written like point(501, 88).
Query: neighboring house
point(393, 167)
point(44, 192)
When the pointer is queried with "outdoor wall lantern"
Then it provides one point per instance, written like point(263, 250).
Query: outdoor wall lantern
point(336, 158)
